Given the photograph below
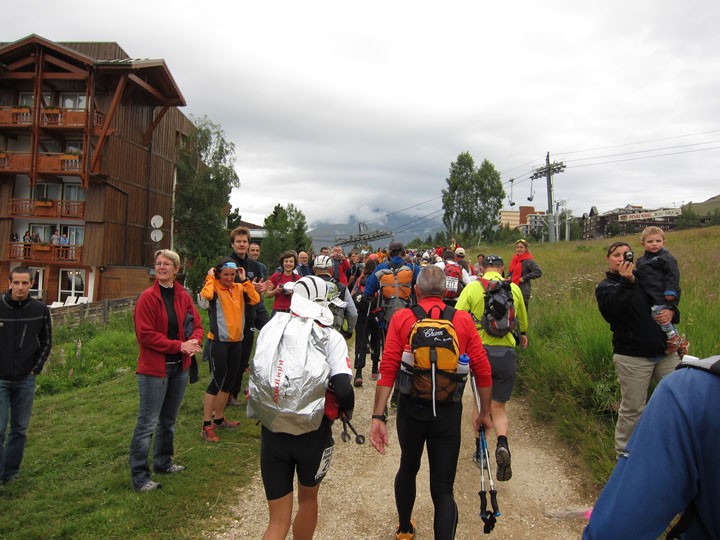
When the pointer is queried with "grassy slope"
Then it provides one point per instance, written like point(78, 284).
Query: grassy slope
point(567, 370)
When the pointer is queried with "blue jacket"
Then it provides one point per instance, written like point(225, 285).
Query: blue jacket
point(672, 460)
point(371, 287)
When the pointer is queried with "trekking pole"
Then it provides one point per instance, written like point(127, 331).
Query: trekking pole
point(345, 436)
point(482, 460)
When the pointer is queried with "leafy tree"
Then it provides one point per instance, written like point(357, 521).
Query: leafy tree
point(613, 229)
point(506, 235)
point(689, 218)
point(473, 197)
point(286, 228)
point(715, 217)
point(233, 219)
point(205, 178)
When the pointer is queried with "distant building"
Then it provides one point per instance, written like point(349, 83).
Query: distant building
point(510, 218)
point(627, 220)
point(535, 223)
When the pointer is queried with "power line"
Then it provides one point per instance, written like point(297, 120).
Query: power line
point(640, 142)
point(644, 157)
point(645, 151)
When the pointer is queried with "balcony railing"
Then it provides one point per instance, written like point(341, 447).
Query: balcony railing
point(21, 251)
point(16, 116)
point(15, 161)
point(56, 209)
point(58, 163)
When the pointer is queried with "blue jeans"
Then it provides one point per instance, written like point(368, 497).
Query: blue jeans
point(16, 400)
point(160, 401)
point(668, 328)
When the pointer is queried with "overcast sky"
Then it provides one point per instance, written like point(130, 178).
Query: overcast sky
point(360, 107)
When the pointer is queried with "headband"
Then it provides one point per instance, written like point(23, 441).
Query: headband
point(229, 264)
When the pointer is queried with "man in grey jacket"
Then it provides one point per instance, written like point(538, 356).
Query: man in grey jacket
point(26, 335)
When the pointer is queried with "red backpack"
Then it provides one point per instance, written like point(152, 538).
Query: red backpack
point(453, 280)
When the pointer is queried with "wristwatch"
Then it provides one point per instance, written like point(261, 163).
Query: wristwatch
point(381, 417)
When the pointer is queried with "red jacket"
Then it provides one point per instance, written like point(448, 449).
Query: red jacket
point(468, 339)
point(151, 324)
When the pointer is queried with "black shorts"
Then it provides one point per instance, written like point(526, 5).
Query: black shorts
point(281, 454)
point(503, 361)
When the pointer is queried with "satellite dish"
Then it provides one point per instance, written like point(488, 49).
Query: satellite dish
point(156, 221)
point(156, 235)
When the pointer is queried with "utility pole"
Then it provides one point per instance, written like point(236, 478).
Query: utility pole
point(547, 171)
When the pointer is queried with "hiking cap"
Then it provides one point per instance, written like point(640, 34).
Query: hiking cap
point(323, 261)
point(493, 260)
point(460, 252)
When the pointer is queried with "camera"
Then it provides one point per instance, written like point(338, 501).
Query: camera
point(629, 256)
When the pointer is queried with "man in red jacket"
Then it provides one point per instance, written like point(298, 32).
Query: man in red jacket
point(417, 424)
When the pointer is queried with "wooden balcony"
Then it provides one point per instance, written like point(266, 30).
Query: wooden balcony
point(16, 162)
point(42, 209)
point(20, 251)
point(55, 163)
point(16, 116)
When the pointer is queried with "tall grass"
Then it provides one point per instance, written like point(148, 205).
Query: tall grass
point(567, 369)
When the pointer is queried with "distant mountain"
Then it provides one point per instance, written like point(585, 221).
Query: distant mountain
point(708, 207)
point(405, 227)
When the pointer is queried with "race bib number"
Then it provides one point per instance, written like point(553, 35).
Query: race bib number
point(324, 463)
point(451, 283)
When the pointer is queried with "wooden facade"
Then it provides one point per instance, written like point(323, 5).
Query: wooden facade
point(88, 144)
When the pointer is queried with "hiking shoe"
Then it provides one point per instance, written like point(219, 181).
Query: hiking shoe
point(226, 424)
point(409, 535)
point(374, 376)
point(502, 458)
point(149, 486)
point(358, 382)
point(171, 469)
point(208, 434)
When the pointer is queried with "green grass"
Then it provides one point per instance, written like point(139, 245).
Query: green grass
point(75, 477)
point(567, 370)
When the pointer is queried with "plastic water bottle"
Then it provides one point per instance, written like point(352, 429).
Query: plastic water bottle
point(407, 359)
point(463, 364)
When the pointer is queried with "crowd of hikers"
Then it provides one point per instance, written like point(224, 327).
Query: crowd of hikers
point(431, 322)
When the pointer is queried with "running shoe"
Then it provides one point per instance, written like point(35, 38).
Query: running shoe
point(408, 535)
point(208, 434)
point(502, 457)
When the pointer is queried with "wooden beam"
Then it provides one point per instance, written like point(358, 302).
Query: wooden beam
point(56, 75)
point(149, 132)
point(108, 120)
point(147, 87)
point(64, 65)
point(19, 75)
point(21, 63)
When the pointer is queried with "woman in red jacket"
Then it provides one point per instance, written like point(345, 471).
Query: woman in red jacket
point(163, 365)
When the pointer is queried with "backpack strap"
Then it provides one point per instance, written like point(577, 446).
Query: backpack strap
point(419, 312)
point(711, 364)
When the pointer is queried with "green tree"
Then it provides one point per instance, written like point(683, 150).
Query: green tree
point(205, 178)
point(286, 228)
point(473, 197)
point(715, 217)
point(689, 218)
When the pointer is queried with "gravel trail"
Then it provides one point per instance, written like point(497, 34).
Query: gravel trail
point(543, 500)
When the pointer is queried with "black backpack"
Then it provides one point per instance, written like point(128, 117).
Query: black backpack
point(499, 317)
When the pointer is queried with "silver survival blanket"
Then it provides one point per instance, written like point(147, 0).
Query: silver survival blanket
point(289, 375)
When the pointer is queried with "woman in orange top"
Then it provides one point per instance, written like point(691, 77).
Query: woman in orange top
point(227, 307)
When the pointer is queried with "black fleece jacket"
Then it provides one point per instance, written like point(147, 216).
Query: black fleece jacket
point(624, 304)
point(660, 276)
point(25, 335)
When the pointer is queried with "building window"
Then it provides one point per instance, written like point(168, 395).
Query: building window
point(72, 283)
point(73, 192)
point(73, 100)
point(27, 98)
point(75, 234)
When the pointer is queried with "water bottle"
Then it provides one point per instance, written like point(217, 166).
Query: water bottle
point(407, 359)
point(463, 364)
point(404, 380)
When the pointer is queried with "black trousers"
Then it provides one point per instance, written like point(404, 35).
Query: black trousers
point(367, 331)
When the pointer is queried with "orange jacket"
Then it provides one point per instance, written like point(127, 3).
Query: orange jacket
point(227, 308)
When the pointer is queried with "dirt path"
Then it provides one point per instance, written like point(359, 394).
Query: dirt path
point(356, 498)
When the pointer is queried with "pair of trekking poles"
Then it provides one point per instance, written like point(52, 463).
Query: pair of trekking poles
point(481, 457)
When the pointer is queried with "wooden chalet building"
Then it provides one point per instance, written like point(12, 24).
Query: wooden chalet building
point(88, 144)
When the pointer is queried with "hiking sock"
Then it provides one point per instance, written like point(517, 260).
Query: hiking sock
point(206, 423)
point(219, 421)
point(502, 440)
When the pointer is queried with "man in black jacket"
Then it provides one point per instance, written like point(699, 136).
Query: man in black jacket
point(240, 243)
point(26, 335)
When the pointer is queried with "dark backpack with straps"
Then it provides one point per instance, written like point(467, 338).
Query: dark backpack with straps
point(499, 317)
